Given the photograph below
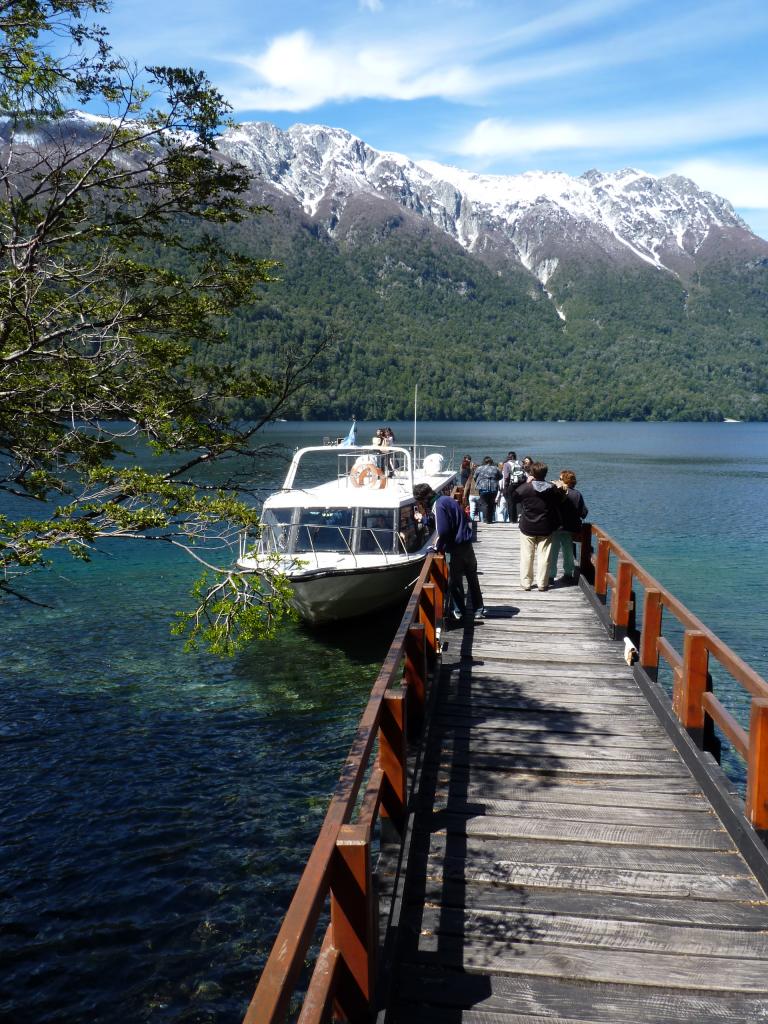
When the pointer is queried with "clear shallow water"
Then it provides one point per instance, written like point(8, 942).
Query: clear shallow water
point(158, 805)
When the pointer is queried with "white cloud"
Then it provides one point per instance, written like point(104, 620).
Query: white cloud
point(471, 58)
point(744, 185)
point(654, 131)
point(299, 73)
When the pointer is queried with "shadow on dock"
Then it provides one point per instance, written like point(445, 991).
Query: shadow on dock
point(474, 762)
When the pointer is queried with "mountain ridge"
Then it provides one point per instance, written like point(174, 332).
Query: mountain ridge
point(665, 222)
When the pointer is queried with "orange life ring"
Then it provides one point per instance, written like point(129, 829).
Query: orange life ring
point(369, 475)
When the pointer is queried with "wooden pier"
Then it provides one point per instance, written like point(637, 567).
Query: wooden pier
point(568, 850)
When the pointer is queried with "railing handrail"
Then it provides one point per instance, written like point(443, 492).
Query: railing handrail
point(693, 702)
point(727, 657)
point(270, 1000)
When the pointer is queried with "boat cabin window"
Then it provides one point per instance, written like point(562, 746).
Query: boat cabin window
point(324, 529)
point(377, 530)
point(276, 528)
point(409, 531)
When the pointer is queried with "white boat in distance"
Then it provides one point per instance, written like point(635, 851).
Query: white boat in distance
point(353, 544)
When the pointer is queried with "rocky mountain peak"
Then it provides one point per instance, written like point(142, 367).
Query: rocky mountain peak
point(536, 217)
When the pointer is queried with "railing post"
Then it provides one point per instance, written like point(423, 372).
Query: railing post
point(694, 684)
point(601, 567)
point(427, 618)
point(621, 598)
point(440, 578)
point(352, 922)
point(415, 676)
point(651, 631)
point(756, 805)
point(393, 753)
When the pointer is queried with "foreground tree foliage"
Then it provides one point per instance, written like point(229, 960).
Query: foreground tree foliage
point(115, 285)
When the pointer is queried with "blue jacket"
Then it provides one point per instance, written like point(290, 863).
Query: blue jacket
point(453, 527)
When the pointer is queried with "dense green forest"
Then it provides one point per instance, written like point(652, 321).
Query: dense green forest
point(400, 304)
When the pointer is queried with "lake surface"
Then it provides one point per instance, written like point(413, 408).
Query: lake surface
point(157, 806)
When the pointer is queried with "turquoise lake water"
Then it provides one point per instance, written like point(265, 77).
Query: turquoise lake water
point(158, 805)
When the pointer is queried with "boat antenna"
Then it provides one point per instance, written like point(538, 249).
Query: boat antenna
point(415, 405)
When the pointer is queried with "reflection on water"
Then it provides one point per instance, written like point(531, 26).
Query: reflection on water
point(159, 804)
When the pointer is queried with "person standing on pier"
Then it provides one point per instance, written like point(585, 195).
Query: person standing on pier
point(487, 479)
point(512, 475)
point(472, 495)
point(454, 537)
point(540, 517)
point(572, 512)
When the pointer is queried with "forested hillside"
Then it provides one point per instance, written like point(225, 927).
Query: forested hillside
point(403, 304)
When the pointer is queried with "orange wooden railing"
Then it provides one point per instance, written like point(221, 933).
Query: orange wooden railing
point(615, 574)
point(339, 867)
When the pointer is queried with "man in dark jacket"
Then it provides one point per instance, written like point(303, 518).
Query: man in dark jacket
point(539, 518)
point(454, 537)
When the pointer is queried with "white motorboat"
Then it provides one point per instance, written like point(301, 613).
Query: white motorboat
point(355, 543)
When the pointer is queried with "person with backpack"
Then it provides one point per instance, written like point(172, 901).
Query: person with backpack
point(512, 475)
point(454, 537)
point(487, 478)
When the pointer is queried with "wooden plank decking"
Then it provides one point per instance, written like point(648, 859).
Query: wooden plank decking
point(564, 865)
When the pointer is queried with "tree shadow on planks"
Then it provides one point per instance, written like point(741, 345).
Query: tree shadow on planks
point(488, 759)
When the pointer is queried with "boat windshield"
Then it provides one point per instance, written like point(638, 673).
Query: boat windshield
point(324, 529)
point(384, 531)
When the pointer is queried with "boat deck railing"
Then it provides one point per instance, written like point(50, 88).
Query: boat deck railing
point(399, 460)
point(322, 540)
point(396, 461)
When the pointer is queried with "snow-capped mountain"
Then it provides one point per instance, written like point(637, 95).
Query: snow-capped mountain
point(538, 296)
point(535, 218)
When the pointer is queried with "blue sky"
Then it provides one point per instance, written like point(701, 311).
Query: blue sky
point(501, 87)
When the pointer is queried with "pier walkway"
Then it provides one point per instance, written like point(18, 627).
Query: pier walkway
point(564, 864)
point(557, 843)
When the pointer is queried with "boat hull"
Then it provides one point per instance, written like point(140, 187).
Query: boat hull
point(332, 595)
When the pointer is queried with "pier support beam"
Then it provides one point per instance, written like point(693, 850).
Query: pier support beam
point(428, 618)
